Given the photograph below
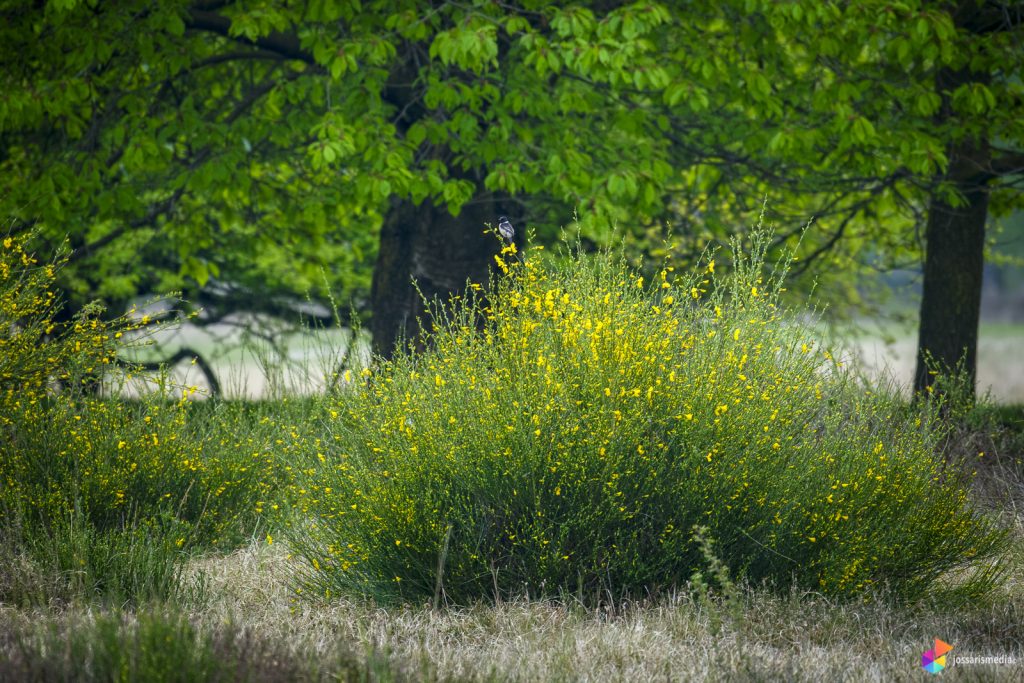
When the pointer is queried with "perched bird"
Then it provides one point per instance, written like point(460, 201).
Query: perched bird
point(505, 229)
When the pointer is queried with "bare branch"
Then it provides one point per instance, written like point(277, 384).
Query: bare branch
point(1008, 162)
point(184, 353)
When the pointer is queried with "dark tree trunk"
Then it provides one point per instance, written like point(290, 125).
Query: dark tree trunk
point(440, 252)
point(954, 255)
point(954, 262)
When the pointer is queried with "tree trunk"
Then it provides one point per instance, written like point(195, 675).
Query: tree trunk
point(954, 262)
point(955, 236)
point(954, 252)
point(441, 253)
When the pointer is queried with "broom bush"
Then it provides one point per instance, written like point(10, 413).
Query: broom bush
point(568, 432)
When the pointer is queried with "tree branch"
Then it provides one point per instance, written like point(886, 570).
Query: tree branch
point(285, 44)
point(182, 354)
point(851, 213)
point(993, 16)
point(1008, 162)
point(155, 210)
point(239, 55)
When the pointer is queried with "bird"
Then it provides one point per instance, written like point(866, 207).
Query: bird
point(505, 229)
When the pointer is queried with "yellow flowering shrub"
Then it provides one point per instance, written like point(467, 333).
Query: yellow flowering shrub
point(73, 453)
point(569, 433)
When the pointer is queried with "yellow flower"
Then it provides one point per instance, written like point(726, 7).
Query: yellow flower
point(711, 266)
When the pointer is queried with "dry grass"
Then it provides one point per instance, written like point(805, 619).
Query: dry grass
point(799, 637)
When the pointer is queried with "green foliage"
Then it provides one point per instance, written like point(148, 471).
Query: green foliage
point(574, 443)
point(720, 575)
point(31, 355)
point(257, 144)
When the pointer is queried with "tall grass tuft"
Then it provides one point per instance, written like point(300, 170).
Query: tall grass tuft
point(569, 432)
point(163, 645)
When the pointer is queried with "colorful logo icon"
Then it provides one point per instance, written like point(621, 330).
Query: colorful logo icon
point(933, 661)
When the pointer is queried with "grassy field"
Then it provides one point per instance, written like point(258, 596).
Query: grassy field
point(602, 485)
point(243, 611)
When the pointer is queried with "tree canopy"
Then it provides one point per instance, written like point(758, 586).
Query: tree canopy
point(254, 147)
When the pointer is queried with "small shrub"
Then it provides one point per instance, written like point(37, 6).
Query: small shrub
point(574, 442)
point(123, 486)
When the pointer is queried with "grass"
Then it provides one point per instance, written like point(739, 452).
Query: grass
point(163, 644)
point(148, 539)
point(796, 636)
